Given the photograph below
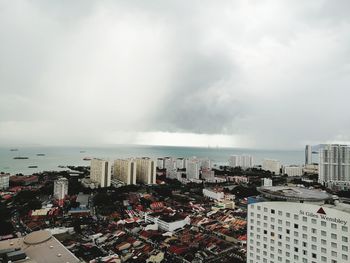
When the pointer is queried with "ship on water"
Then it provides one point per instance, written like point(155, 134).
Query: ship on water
point(32, 166)
point(14, 150)
point(20, 157)
point(40, 154)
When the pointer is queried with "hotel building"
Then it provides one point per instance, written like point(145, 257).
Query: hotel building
point(273, 166)
point(297, 225)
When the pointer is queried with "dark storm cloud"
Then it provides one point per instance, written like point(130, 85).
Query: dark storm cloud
point(271, 73)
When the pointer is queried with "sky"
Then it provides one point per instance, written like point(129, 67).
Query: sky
point(230, 73)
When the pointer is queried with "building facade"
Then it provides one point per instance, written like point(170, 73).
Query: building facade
point(274, 166)
point(192, 168)
point(297, 232)
point(60, 188)
point(334, 163)
point(308, 154)
point(293, 170)
point(4, 181)
point(243, 161)
point(124, 170)
point(145, 171)
point(100, 172)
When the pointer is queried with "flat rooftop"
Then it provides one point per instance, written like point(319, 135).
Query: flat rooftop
point(293, 193)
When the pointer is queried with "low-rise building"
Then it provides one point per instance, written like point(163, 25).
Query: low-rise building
point(293, 170)
point(274, 166)
point(166, 222)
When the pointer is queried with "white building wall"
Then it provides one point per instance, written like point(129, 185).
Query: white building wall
point(124, 170)
point(293, 170)
point(60, 188)
point(295, 232)
point(192, 168)
point(273, 166)
point(100, 172)
point(4, 181)
point(334, 163)
point(243, 161)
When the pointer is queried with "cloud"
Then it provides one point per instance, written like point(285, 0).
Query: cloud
point(240, 73)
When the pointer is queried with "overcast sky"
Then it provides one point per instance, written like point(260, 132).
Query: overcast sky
point(250, 73)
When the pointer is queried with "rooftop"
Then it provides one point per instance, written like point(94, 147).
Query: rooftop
point(293, 193)
point(41, 247)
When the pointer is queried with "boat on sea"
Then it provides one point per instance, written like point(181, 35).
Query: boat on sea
point(40, 154)
point(61, 166)
point(32, 166)
point(14, 150)
point(20, 157)
point(82, 151)
point(87, 158)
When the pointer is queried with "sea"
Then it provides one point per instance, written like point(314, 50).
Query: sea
point(63, 156)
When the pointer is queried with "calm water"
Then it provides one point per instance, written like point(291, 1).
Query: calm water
point(55, 156)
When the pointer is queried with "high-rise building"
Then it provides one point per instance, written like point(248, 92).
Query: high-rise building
point(160, 163)
point(302, 225)
point(293, 170)
point(146, 170)
point(273, 166)
point(180, 163)
point(243, 161)
point(60, 189)
point(334, 164)
point(100, 172)
point(308, 154)
point(124, 170)
point(192, 168)
point(170, 167)
point(4, 181)
point(205, 164)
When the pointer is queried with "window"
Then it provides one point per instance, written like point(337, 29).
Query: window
point(296, 226)
point(265, 217)
point(296, 234)
point(323, 242)
point(265, 232)
point(313, 221)
point(344, 248)
point(344, 257)
point(272, 211)
point(251, 213)
point(279, 213)
point(334, 236)
point(313, 231)
point(296, 241)
point(334, 245)
point(305, 236)
point(304, 244)
point(314, 255)
point(344, 228)
point(280, 221)
point(287, 223)
point(304, 218)
point(296, 217)
point(324, 259)
point(304, 228)
point(296, 249)
point(304, 252)
point(288, 231)
point(258, 207)
point(323, 223)
point(265, 209)
point(314, 239)
point(333, 226)
point(344, 239)
point(323, 250)
point(313, 247)
point(334, 254)
point(323, 233)
point(258, 215)
point(288, 215)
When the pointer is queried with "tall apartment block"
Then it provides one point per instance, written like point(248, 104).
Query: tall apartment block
point(60, 189)
point(292, 224)
point(308, 154)
point(243, 161)
point(146, 170)
point(124, 170)
point(334, 165)
point(192, 168)
point(100, 172)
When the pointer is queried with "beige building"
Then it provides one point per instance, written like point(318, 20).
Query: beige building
point(124, 170)
point(146, 170)
point(100, 172)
